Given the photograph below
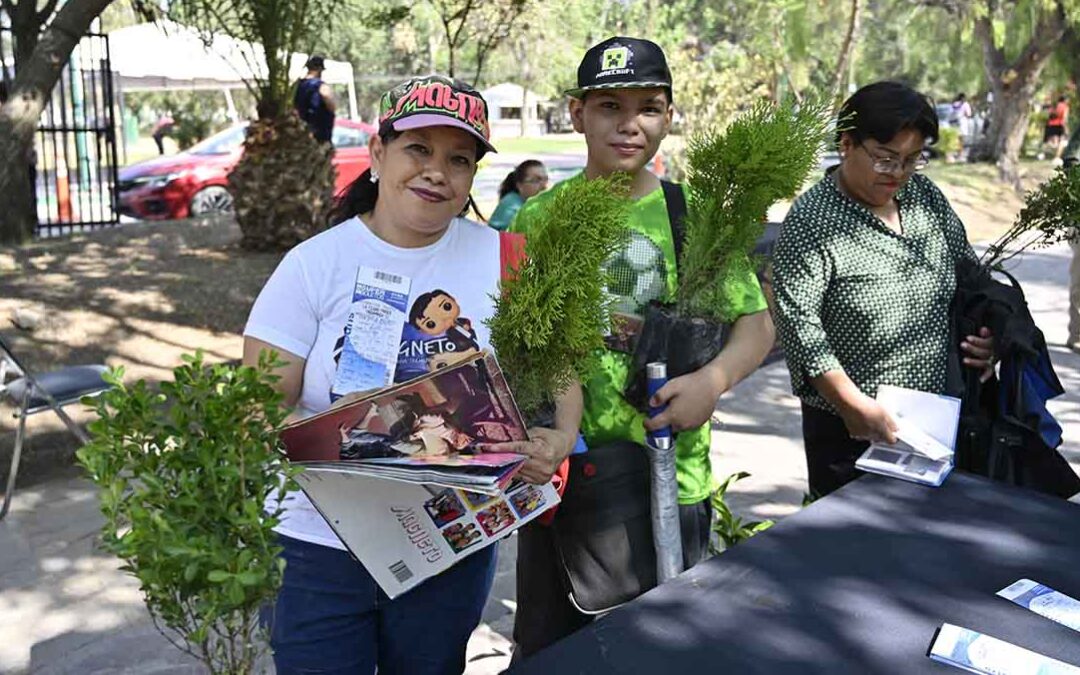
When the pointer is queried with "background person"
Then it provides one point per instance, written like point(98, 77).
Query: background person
point(863, 272)
point(526, 180)
point(162, 128)
point(314, 101)
point(1055, 134)
point(961, 117)
point(401, 217)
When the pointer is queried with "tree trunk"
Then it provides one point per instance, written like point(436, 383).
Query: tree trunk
point(1013, 85)
point(521, 51)
point(1071, 41)
point(33, 85)
point(1008, 124)
point(846, 50)
point(433, 52)
point(25, 28)
point(16, 195)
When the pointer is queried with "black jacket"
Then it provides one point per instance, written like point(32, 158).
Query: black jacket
point(1006, 432)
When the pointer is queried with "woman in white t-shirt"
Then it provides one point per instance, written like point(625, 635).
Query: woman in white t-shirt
point(402, 217)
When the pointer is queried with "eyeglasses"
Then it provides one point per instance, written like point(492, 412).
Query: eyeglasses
point(889, 165)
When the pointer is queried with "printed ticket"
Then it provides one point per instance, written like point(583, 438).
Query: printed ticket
point(369, 353)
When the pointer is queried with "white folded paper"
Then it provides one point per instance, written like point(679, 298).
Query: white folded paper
point(926, 434)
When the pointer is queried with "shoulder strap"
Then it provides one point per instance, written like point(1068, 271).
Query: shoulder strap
point(676, 211)
point(511, 253)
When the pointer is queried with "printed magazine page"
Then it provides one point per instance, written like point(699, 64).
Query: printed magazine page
point(927, 425)
point(405, 533)
point(435, 423)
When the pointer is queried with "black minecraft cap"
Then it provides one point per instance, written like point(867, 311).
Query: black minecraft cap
point(622, 63)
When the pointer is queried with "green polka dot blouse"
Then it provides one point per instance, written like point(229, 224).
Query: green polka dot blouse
point(853, 294)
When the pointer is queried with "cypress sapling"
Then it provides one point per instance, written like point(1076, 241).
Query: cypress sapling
point(765, 155)
point(735, 175)
point(552, 314)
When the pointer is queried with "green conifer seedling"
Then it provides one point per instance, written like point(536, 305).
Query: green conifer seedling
point(765, 155)
point(552, 315)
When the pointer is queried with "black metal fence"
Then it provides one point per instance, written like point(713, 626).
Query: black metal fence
point(73, 171)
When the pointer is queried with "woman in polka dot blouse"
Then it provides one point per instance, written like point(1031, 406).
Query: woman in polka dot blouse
point(864, 271)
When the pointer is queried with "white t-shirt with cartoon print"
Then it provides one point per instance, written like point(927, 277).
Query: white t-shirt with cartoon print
point(305, 304)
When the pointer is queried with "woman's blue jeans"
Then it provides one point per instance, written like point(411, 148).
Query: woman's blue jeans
point(330, 616)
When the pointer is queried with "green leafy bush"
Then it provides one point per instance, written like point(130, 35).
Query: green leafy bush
point(551, 317)
point(729, 528)
point(765, 155)
point(948, 142)
point(196, 114)
point(183, 474)
point(195, 120)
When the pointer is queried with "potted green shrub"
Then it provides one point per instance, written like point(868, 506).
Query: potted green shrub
point(763, 156)
point(184, 473)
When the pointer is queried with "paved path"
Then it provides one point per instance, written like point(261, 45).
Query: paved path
point(66, 608)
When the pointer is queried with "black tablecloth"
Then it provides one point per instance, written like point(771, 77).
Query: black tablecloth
point(855, 583)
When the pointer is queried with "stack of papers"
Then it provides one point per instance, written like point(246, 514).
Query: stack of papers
point(432, 429)
point(926, 437)
point(404, 475)
point(488, 474)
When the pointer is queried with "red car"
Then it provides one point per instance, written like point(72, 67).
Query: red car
point(195, 182)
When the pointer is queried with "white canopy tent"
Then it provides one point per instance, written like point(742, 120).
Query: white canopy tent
point(167, 56)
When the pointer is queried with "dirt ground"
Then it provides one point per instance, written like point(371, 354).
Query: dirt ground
point(141, 295)
point(986, 206)
point(137, 296)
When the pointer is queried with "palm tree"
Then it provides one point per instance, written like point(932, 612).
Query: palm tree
point(283, 185)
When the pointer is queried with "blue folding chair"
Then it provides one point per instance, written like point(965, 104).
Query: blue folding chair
point(32, 394)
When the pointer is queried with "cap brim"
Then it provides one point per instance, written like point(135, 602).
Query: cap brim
point(423, 121)
point(576, 93)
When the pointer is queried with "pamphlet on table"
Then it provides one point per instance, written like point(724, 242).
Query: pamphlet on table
point(1045, 602)
point(978, 653)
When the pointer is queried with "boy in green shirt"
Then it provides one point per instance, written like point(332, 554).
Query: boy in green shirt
point(623, 106)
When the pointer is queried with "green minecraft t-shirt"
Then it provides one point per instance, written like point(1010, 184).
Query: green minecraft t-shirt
point(643, 271)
